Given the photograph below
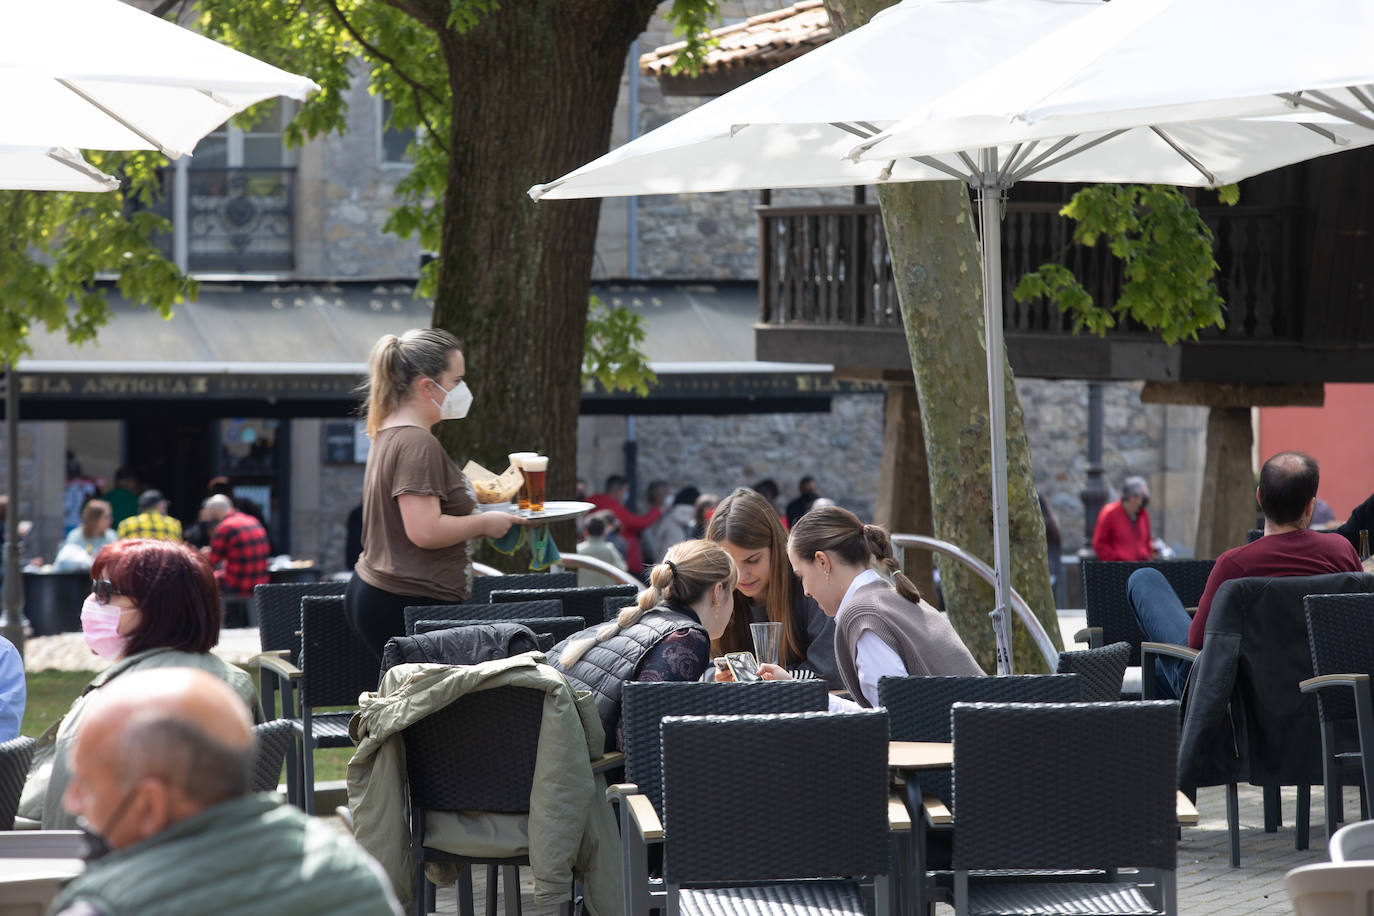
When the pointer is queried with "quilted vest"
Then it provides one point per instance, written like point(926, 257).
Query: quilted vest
point(608, 664)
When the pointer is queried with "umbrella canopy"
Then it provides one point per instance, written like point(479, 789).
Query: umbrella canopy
point(50, 169)
point(100, 74)
point(792, 127)
point(1169, 77)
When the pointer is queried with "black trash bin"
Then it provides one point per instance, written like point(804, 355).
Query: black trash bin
point(52, 600)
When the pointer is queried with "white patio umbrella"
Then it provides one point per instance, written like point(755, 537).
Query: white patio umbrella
point(50, 169)
point(787, 128)
point(100, 74)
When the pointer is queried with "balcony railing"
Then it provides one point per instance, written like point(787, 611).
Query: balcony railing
point(236, 220)
point(830, 266)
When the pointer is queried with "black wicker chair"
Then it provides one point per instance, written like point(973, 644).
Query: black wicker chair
point(476, 754)
point(278, 609)
point(1109, 614)
point(827, 819)
point(1097, 795)
point(1340, 634)
point(550, 631)
point(588, 603)
point(272, 740)
point(483, 586)
point(1100, 671)
point(485, 612)
point(612, 606)
point(335, 668)
point(15, 756)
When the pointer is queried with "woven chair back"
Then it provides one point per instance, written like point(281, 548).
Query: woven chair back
point(826, 810)
point(483, 586)
point(644, 705)
point(1094, 790)
point(1100, 671)
point(511, 610)
point(555, 628)
point(612, 606)
point(919, 706)
point(1340, 636)
point(588, 603)
point(1104, 595)
point(335, 665)
point(15, 756)
point(271, 740)
point(279, 613)
point(477, 753)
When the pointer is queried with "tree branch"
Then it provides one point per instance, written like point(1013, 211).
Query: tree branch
point(416, 87)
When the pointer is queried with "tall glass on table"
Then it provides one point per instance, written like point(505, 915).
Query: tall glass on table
point(535, 469)
point(767, 639)
point(523, 499)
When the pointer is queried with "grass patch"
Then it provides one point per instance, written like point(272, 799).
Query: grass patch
point(51, 694)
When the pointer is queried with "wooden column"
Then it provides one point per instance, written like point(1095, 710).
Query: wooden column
point(904, 482)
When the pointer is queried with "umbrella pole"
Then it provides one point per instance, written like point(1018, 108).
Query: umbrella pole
point(990, 197)
point(13, 628)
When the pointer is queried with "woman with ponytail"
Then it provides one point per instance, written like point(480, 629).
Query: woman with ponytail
point(664, 636)
point(882, 627)
point(747, 526)
point(418, 508)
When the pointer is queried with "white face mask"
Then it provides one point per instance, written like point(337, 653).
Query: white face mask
point(456, 401)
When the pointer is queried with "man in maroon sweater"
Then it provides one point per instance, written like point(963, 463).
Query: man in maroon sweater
point(1287, 494)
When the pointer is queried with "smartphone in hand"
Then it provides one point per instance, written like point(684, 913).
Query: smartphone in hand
point(743, 665)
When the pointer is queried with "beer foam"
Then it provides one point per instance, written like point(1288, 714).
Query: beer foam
point(535, 463)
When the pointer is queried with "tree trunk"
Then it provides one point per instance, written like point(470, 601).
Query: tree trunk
point(904, 484)
point(935, 258)
point(1228, 482)
point(534, 90)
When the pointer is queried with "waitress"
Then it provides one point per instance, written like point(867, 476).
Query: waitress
point(418, 508)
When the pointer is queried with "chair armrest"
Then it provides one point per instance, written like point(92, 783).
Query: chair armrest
point(1168, 649)
point(278, 664)
point(1090, 635)
point(644, 817)
point(1313, 684)
point(608, 761)
point(1187, 811)
point(898, 818)
point(618, 792)
point(936, 814)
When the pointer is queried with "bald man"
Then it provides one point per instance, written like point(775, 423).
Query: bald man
point(162, 771)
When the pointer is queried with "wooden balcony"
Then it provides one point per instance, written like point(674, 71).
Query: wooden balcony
point(1294, 269)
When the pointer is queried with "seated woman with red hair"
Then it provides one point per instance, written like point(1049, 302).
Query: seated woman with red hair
point(153, 604)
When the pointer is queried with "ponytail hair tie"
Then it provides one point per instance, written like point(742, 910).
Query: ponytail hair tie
point(672, 567)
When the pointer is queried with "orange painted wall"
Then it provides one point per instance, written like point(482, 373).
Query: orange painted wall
point(1339, 435)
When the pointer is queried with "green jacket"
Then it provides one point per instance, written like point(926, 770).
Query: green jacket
point(569, 831)
point(47, 778)
point(244, 857)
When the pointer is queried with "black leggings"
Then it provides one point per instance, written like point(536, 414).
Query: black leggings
point(378, 615)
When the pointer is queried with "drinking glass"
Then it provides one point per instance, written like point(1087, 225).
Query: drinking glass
point(767, 637)
point(523, 500)
point(535, 470)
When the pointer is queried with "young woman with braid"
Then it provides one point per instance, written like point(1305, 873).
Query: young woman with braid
point(882, 629)
point(664, 636)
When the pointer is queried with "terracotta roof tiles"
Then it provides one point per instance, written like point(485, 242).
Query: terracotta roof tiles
point(759, 43)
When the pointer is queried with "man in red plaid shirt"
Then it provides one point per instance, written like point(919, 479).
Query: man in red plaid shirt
point(238, 549)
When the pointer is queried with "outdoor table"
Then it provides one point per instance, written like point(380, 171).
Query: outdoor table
point(34, 882)
point(920, 755)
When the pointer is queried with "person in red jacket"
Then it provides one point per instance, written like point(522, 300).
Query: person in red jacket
point(631, 525)
point(1123, 526)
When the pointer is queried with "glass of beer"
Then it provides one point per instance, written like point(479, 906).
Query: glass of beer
point(535, 469)
point(523, 500)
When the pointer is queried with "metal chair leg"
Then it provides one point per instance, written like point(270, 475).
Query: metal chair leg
point(1273, 814)
point(1302, 821)
point(510, 880)
point(1233, 822)
point(493, 891)
point(465, 907)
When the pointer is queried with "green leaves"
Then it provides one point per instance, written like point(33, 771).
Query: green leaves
point(56, 247)
point(1167, 262)
point(692, 21)
point(611, 352)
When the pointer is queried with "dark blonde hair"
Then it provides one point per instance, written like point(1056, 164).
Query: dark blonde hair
point(689, 570)
point(92, 513)
point(747, 519)
point(397, 363)
point(840, 532)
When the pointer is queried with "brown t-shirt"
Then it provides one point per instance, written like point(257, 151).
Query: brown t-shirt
point(407, 459)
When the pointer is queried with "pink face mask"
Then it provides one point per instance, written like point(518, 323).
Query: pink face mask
point(100, 626)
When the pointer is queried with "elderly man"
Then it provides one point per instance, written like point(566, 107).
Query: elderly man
point(152, 520)
point(161, 771)
point(1123, 526)
point(1287, 494)
point(239, 548)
